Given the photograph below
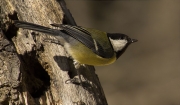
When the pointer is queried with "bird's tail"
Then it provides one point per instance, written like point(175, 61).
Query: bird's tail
point(35, 27)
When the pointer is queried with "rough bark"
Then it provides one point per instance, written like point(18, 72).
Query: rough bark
point(34, 71)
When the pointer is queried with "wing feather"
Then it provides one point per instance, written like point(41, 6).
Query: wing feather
point(85, 38)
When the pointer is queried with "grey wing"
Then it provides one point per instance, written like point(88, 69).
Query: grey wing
point(76, 32)
point(85, 38)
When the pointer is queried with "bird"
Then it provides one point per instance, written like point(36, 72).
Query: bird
point(85, 45)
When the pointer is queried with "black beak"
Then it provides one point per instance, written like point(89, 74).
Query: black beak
point(132, 40)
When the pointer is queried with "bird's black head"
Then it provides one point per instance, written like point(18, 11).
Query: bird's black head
point(120, 42)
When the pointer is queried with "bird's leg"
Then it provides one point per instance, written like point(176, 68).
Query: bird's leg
point(74, 80)
point(77, 66)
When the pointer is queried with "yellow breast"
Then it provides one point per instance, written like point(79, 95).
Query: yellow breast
point(84, 55)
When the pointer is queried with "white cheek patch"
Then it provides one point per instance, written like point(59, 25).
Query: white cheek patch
point(118, 44)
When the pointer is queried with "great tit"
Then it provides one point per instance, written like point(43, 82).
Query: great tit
point(85, 45)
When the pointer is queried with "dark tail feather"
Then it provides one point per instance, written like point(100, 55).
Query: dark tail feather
point(35, 27)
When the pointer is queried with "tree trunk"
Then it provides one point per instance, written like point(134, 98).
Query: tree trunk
point(35, 71)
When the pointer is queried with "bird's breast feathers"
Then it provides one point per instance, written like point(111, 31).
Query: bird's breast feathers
point(84, 55)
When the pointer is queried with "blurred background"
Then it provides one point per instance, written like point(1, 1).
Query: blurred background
point(148, 73)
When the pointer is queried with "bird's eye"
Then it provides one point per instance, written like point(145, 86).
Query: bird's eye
point(122, 37)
